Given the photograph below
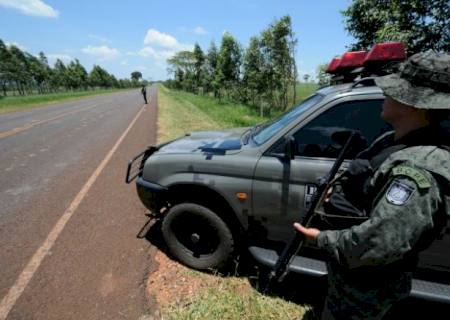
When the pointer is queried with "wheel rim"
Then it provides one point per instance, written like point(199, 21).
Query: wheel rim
point(195, 234)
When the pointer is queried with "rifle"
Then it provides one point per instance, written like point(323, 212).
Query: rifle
point(281, 268)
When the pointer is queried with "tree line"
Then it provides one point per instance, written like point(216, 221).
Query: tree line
point(22, 73)
point(264, 74)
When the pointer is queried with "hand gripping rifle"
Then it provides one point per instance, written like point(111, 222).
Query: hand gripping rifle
point(281, 268)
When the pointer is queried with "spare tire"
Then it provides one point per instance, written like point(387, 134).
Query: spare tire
point(197, 236)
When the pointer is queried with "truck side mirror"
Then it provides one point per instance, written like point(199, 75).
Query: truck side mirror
point(290, 148)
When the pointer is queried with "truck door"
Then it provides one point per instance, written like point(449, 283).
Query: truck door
point(282, 188)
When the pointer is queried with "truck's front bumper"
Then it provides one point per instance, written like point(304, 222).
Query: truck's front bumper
point(152, 195)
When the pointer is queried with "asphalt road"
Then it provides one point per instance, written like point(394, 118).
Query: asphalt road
point(68, 222)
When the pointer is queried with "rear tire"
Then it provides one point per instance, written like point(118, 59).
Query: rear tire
point(197, 236)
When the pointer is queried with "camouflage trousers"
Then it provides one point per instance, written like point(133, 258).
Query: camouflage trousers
point(366, 295)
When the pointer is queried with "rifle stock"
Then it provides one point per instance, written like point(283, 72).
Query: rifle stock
point(281, 268)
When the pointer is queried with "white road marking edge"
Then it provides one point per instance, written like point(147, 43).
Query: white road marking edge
point(21, 283)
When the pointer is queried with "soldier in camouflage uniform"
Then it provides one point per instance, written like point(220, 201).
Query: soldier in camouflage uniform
point(405, 195)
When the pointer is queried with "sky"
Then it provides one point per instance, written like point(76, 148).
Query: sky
point(125, 36)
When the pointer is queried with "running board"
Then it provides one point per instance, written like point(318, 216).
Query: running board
point(421, 289)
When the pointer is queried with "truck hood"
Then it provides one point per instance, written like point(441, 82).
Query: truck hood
point(207, 142)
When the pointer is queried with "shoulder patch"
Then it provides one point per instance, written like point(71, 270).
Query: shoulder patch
point(399, 193)
point(413, 173)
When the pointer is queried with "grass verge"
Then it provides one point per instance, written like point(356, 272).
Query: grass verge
point(204, 296)
point(185, 294)
point(16, 103)
point(177, 116)
point(230, 298)
point(189, 112)
point(223, 114)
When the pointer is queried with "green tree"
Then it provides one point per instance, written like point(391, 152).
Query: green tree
point(210, 68)
point(5, 67)
point(277, 44)
point(420, 24)
point(323, 77)
point(199, 60)
point(59, 75)
point(252, 70)
point(76, 75)
point(125, 83)
point(99, 77)
point(136, 76)
point(37, 72)
point(228, 63)
point(82, 74)
point(179, 78)
point(113, 82)
point(182, 65)
point(46, 72)
point(25, 73)
point(19, 70)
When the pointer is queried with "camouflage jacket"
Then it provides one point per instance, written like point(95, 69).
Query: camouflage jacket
point(370, 264)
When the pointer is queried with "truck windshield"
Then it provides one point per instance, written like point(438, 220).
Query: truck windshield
point(270, 129)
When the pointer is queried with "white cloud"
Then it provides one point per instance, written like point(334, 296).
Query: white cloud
point(61, 56)
point(141, 68)
point(31, 7)
point(164, 40)
point(124, 63)
point(102, 52)
point(200, 30)
point(98, 38)
point(149, 52)
point(15, 44)
point(197, 30)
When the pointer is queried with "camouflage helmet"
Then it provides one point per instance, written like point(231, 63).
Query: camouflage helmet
point(423, 81)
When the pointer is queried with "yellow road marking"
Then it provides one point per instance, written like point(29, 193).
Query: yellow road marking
point(21, 283)
point(33, 123)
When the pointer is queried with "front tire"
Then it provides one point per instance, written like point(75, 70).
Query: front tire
point(197, 236)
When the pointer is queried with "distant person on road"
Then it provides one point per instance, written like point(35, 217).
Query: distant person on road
point(401, 184)
point(144, 94)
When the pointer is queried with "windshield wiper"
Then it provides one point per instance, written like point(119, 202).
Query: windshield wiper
point(257, 128)
point(246, 135)
point(250, 132)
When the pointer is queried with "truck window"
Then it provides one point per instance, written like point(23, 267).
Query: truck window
point(314, 139)
point(269, 130)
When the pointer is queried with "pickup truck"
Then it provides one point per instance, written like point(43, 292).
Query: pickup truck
point(221, 192)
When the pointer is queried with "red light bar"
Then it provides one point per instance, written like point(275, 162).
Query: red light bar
point(352, 59)
point(333, 65)
point(389, 51)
